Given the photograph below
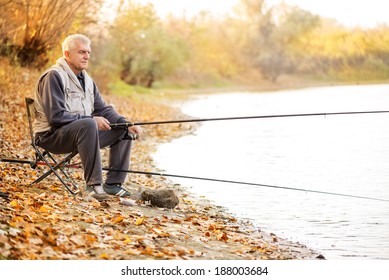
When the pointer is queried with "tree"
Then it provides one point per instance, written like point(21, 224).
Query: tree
point(29, 28)
point(343, 53)
point(145, 50)
point(278, 53)
point(270, 34)
point(213, 50)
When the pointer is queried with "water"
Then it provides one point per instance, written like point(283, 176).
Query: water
point(346, 154)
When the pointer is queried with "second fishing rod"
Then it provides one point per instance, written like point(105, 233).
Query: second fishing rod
point(219, 180)
point(128, 124)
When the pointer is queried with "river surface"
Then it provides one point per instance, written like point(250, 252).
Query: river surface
point(347, 154)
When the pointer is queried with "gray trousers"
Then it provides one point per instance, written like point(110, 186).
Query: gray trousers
point(83, 136)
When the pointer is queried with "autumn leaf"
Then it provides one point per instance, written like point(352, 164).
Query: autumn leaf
point(44, 209)
point(104, 256)
point(222, 237)
point(14, 204)
point(161, 233)
point(90, 238)
point(176, 221)
point(139, 221)
point(147, 251)
point(239, 252)
point(127, 240)
point(118, 219)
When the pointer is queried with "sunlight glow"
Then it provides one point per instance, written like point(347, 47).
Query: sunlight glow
point(191, 8)
point(363, 13)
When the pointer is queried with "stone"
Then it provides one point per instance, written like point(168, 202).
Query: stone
point(165, 198)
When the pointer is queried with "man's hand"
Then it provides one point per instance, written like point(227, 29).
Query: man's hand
point(136, 130)
point(102, 123)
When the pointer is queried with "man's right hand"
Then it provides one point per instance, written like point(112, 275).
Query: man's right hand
point(102, 123)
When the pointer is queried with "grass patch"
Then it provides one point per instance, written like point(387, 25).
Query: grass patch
point(121, 88)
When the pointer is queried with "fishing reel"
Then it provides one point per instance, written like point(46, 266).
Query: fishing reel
point(127, 135)
point(130, 136)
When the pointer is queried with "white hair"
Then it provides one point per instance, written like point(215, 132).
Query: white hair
point(70, 42)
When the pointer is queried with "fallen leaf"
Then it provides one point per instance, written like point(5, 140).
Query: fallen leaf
point(104, 256)
point(139, 221)
point(147, 251)
point(127, 240)
point(14, 204)
point(44, 209)
point(175, 220)
point(161, 233)
point(118, 219)
point(222, 237)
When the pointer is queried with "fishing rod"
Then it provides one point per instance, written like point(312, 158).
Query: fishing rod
point(244, 183)
point(204, 179)
point(128, 124)
point(33, 164)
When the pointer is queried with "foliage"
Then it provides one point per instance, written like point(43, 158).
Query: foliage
point(145, 51)
point(338, 53)
point(272, 34)
point(204, 50)
point(29, 29)
point(212, 49)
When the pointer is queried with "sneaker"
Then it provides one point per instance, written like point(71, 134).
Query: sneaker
point(96, 192)
point(116, 189)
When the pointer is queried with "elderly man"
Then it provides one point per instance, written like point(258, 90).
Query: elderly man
point(72, 116)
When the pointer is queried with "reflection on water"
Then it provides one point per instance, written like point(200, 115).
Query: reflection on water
point(343, 154)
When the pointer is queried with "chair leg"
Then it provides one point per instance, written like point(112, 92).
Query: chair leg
point(53, 169)
point(61, 164)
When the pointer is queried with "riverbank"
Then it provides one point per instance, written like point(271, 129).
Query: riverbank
point(44, 222)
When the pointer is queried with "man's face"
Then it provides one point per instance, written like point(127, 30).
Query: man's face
point(78, 57)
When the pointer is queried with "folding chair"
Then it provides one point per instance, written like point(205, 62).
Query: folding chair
point(45, 156)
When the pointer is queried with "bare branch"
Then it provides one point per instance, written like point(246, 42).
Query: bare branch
point(5, 3)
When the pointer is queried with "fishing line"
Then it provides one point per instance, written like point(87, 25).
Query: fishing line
point(128, 124)
point(203, 178)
